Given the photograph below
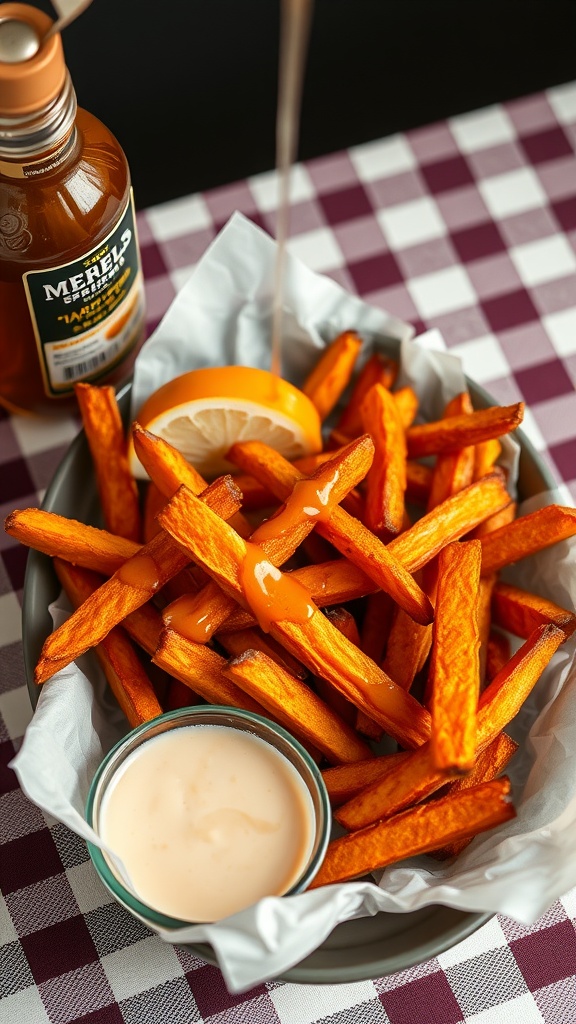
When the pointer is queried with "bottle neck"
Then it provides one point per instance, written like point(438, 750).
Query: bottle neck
point(42, 139)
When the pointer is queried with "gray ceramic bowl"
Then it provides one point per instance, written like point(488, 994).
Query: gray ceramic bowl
point(357, 950)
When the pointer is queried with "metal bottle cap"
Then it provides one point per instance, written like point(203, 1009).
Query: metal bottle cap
point(18, 41)
point(32, 68)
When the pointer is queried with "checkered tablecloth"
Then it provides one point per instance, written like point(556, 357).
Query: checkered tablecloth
point(469, 226)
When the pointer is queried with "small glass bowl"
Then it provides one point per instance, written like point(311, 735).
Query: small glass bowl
point(207, 714)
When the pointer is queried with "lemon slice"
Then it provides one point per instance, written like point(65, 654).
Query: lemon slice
point(204, 412)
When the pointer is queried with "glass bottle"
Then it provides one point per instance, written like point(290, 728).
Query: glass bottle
point(71, 288)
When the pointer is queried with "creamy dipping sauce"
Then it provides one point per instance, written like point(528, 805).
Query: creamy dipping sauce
point(207, 820)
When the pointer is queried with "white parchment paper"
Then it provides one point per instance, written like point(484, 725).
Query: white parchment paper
point(222, 315)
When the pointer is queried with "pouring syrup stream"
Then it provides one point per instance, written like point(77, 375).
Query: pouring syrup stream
point(294, 34)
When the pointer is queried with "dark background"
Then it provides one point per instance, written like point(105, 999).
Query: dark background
point(189, 86)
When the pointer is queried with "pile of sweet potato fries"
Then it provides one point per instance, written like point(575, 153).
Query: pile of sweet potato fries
point(389, 617)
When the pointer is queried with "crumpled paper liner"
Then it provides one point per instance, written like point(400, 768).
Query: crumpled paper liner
point(223, 315)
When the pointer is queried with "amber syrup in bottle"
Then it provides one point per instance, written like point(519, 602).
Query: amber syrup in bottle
point(71, 288)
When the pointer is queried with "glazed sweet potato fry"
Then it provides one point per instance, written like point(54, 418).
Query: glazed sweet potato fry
point(348, 535)
point(73, 541)
point(527, 535)
point(280, 693)
point(386, 480)
point(105, 435)
point(453, 470)
point(292, 617)
point(455, 662)
point(418, 830)
point(457, 432)
point(122, 667)
point(378, 370)
point(339, 581)
point(137, 580)
point(346, 780)
point(199, 616)
point(332, 373)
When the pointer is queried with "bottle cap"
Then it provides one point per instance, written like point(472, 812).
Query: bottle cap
point(32, 72)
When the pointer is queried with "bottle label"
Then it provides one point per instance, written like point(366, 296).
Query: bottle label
point(89, 313)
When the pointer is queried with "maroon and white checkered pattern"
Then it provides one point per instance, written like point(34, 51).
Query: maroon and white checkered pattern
point(469, 226)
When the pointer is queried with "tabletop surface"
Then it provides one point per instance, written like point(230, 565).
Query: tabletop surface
point(468, 226)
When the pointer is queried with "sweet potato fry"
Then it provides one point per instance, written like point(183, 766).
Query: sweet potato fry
point(417, 778)
point(236, 644)
point(122, 667)
point(408, 647)
point(526, 535)
point(459, 431)
point(346, 780)
point(343, 531)
point(520, 613)
point(200, 668)
point(345, 622)
point(409, 643)
point(332, 373)
point(386, 480)
point(257, 495)
point(489, 764)
point(131, 586)
point(486, 455)
point(485, 588)
point(506, 693)
point(449, 521)
point(168, 469)
point(376, 624)
point(405, 783)
point(144, 625)
point(105, 435)
point(154, 500)
point(406, 401)
point(226, 557)
point(418, 482)
point(73, 541)
point(455, 663)
point(453, 470)
point(417, 830)
point(498, 653)
point(378, 370)
point(280, 693)
point(501, 518)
